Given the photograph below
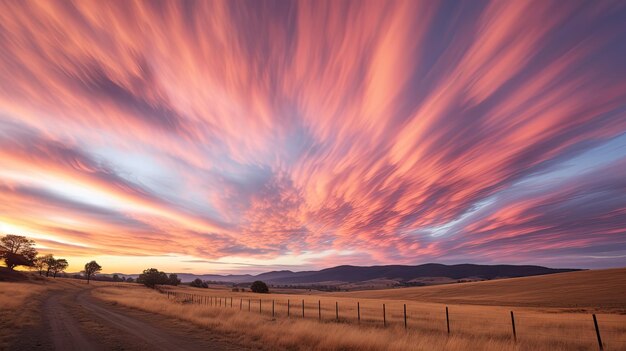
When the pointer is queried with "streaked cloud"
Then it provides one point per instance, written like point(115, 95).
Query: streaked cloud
point(316, 133)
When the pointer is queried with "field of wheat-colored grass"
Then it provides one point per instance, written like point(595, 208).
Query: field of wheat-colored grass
point(471, 327)
point(19, 303)
point(603, 290)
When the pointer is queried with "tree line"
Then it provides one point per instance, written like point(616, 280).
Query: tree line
point(18, 250)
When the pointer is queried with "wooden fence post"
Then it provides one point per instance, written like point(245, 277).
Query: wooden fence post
point(384, 316)
point(248, 305)
point(405, 317)
point(358, 311)
point(302, 308)
point(337, 310)
point(240, 304)
point(260, 311)
point(272, 308)
point(319, 310)
point(595, 322)
point(513, 325)
point(447, 320)
point(287, 307)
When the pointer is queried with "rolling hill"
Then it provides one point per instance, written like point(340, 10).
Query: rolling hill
point(425, 274)
point(597, 289)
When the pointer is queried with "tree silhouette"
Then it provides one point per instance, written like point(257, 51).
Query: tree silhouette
point(91, 269)
point(48, 261)
point(17, 250)
point(259, 287)
point(40, 264)
point(152, 277)
point(198, 283)
point(59, 266)
point(173, 280)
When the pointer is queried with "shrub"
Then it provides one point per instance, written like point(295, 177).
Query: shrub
point(259, 287)
point(173, 280)
point(198, 283)
point(152, 277)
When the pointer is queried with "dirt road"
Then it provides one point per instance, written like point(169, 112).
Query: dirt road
point(73, 320)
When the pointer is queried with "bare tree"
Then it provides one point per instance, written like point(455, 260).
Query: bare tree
point(91, 269)
point(17, 250)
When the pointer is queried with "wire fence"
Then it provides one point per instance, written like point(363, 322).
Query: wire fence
point(604, 332)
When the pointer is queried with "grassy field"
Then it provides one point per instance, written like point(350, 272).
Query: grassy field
point(21, 297)
point(475, 323)
point(551, 313)
point(596, 290)
point(19, 305)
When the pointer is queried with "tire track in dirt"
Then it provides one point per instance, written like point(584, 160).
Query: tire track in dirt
point(65, 331)
point(143, 331)
point(72, 319)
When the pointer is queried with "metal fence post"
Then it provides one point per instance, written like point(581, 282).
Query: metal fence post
point(447, 320)
point(595, 322)
point(405, 316)
point(384, 316)
point(513, 325)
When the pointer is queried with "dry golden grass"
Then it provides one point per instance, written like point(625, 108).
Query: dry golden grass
point(21, 301)
point(476, 321)
point(594, 289)
point(472, 327)
point(19, 305)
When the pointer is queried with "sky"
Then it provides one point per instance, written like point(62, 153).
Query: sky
point(247, 136)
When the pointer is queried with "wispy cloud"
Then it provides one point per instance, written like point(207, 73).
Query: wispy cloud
point(271, 130)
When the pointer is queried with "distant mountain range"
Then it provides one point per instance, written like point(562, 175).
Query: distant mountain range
point(430, 272)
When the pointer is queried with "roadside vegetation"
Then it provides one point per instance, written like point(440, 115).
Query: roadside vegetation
point(472, 327)
point(20, 300)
